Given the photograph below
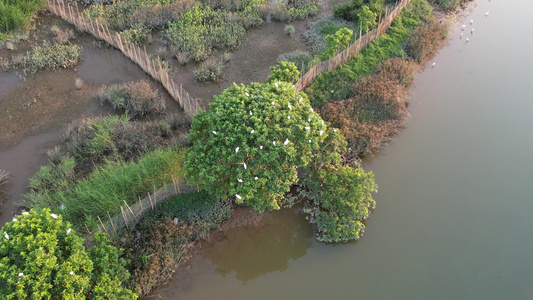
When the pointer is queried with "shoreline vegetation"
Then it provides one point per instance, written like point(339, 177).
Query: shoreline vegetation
point(107, 162)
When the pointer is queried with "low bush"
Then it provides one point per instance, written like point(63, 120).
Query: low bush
point(299, 58)
point(284, 71)
point(62, 36)
point(201, 30)
point(105, 189)
point(210, 70)
point(158, 16)
point(289, 30)
point(136, 98)
point(315, 36)
point(137, 35)
point(93, 140)
point(293, 10)
point(42, 257)
point(426, 39)
point(48, 56)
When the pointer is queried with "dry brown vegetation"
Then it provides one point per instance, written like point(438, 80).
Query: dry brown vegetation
point(377, 109)
point(426, 39)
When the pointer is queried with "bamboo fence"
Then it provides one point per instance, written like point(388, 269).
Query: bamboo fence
point(130, 215)
point(316, 67)
point(71, 14)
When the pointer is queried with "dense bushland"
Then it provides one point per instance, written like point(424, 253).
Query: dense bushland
point(41, 257)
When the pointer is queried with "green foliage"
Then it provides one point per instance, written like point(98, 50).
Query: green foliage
point(289, 30)
point(367, 18)
point(41, 257)
point(315, 36)
point(252, 141)
point(337, 84)
point(356, 9)
point(15, 14)
point(284, 71)
point(210, 70)
point(105, 189)
point(337, 42)
point(49, 56)
point(340, 200)
point(201, 30)
point(200, 209)
point(137, 35)
point(293, 10)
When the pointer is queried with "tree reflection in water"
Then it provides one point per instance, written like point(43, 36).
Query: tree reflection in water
point(259, 243)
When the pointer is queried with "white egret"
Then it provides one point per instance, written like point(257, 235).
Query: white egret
point(463, 27)
point(261, 147)
point(252, 131)
point(471, 22)
point(307, 128)
point(433, 65)
point(274, 142)
point(239, 180)
point(321, 132)
point(214, 132)
point(286, 142)
point(273, 103)
point(301, 99)
point(21, 274)
point(25, 213)
point(238, 197)
point(289, 105)
point(237, 149)
point(289, 117)
point(487, 13)
point(14, 219)
point(251, 113)
point(6, 235)
point(467, 40)
point(247, 95)
point(276, 84)
point(255, 178)
point(244, 164)
point(68, 230)
point(53, 216)
point(71, 272)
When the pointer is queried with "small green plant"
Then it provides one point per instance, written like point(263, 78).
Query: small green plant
point(284, 71)
point(48, 56)
point(136, 98)
point(337, 42)
point(137, 35)
point(41, 256)
point(15, 15)
point(210, 70)
point(289, 30)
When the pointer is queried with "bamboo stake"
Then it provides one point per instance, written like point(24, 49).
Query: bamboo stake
point(151, 203)
point(111, 221)
point(103, 226)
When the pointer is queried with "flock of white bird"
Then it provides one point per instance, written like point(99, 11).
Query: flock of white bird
point(463, 27)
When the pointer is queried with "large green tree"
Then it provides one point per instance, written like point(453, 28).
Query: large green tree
point(41, 257)
point(252, 141)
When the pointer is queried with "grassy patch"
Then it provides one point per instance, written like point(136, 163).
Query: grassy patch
point(17, 14)
point(105, 189)
point(315, 36)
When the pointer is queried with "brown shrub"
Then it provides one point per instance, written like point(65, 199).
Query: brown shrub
point(158, 16)
point(426, 40)
point(377, 110)
point(155, 252)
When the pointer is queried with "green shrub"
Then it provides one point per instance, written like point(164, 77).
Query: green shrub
point(137, 35)
point(284, 71)
point(289, 30)
point(293, 10)
point(299, 58)
point(158, 16)
point(337, 42)
point(106, 188)
point(315, 36)
point(210, 70)
point(136, 98)
point(41, 257)
point(49, 56)
point(201, 30)
point(340, 200)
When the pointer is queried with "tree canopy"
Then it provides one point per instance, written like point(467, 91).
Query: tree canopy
point(41, 257)
point(252, 141)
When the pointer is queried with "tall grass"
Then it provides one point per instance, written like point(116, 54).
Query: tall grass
point(105, 189)
point(16, 14)
point(337, 84)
